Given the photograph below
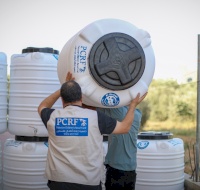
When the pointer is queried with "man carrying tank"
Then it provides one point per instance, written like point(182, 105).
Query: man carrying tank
point(75, 154)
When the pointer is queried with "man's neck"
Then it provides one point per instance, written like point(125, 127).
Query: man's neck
point(77, 103)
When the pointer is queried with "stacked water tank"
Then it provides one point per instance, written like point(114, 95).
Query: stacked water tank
point(33, 76)
point(160, 161)
point(3, 102)
point(3, 92)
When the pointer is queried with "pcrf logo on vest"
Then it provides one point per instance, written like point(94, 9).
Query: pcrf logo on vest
point(69, 126)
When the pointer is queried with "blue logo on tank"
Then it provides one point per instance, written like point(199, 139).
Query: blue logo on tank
point(46, 144)
point(110, 100)
point(56, 56)
point(142, 144)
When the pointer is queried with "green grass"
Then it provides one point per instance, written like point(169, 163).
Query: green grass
point(177, 128)
point(183, 130)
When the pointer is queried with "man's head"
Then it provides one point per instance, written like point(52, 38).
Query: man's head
point(70, 92)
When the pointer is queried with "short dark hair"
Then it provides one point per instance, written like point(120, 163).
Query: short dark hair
point(70, 91)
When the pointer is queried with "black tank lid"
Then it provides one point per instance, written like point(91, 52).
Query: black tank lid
point(31, 139)
point(43, 50)
point(117, 61)
point(152, 135)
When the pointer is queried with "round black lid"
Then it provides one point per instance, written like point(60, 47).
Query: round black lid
point(155, 135)
point(43, 50)
point(117, 61)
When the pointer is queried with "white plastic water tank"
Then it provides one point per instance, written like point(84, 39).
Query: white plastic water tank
point(33, 76)
point(160, 162)
point(111, 59)
point(3, 92)
point(105, 150)
point(24, 165)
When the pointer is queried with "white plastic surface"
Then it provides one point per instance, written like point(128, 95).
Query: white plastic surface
point(33, 76)
point(74, 58)
point(24, 165)
point(3, 92)
point(103, 175)
point(160, 164)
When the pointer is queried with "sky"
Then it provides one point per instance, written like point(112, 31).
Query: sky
point(173, 25)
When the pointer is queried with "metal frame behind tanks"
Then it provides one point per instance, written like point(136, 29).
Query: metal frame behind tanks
point(198, 117)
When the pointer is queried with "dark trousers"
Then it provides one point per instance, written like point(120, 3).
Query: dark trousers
point(118, 179)
point(54, 185)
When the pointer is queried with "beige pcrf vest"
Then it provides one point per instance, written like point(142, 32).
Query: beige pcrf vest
point(75, 146)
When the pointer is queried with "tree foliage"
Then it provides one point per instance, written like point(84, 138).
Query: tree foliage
point(169, 100)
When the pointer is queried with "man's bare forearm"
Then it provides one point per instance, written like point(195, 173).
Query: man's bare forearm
point(49, 101)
